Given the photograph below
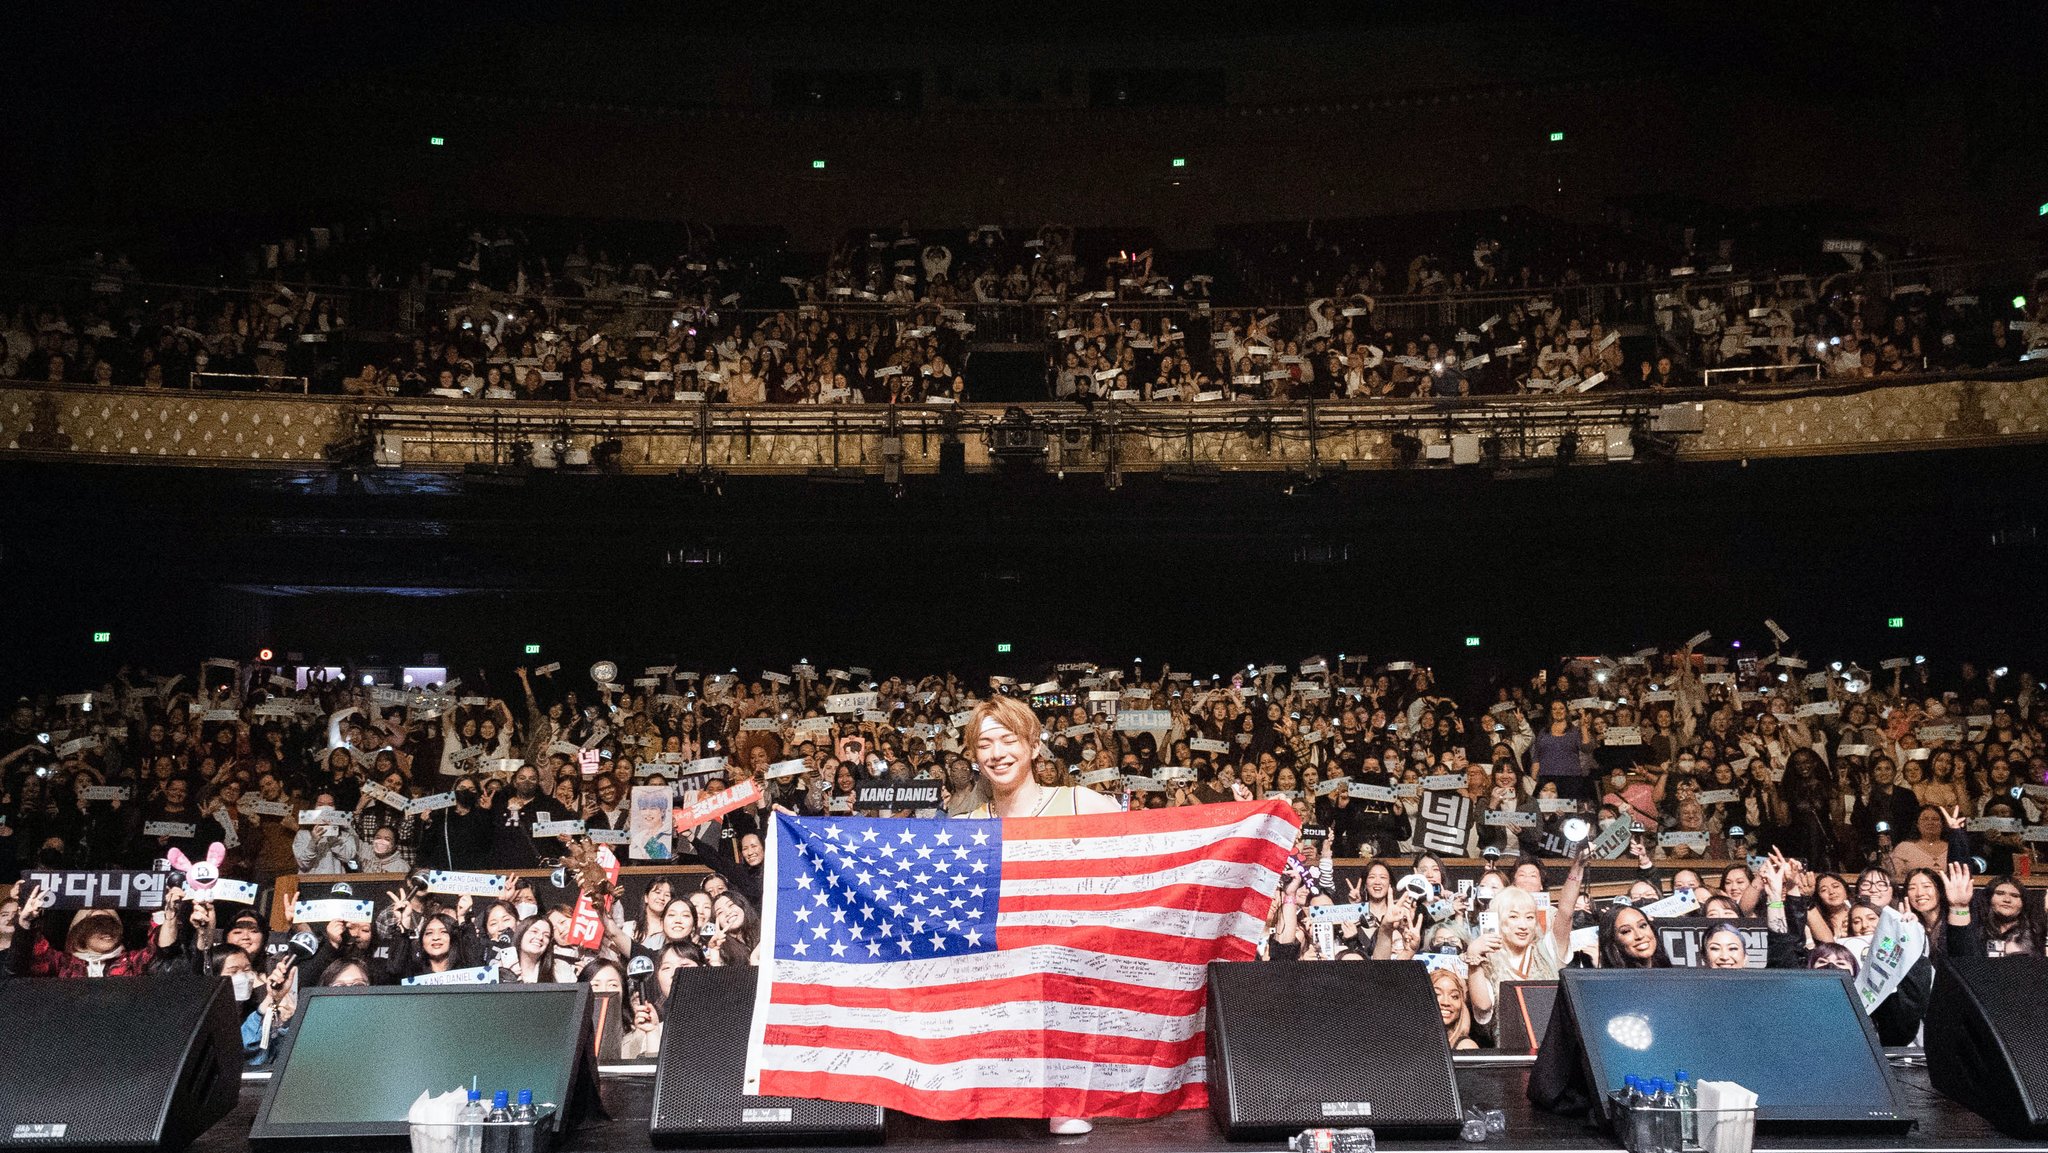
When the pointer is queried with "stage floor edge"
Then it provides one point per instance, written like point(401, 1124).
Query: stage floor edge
point(1941, 1125)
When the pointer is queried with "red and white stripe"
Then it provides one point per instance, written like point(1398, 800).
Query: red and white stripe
point(1092, 1004)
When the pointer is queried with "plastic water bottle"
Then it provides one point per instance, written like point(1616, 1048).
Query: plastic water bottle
point(1642, 1127)
point(1332, 1141)
point(473, 1115)
point(1688, 1111)
point(496, 1131)
point(522, 1119)
point(1664, 1115)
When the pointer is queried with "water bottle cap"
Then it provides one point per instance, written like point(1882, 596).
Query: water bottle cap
point(499, 1099)
point(476, 1094)
point(526, 1096)
point(1684, 1076)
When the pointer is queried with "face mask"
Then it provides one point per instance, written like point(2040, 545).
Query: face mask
point(241, 983)
point(526, 909)
point(1486, 892)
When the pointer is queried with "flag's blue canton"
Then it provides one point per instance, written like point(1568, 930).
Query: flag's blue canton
point(855, 889)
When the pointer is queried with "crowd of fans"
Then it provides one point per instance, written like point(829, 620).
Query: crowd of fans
point(1821, 798)
point(887, 317)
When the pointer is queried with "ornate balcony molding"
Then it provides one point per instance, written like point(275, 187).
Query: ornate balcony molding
point(245, 430)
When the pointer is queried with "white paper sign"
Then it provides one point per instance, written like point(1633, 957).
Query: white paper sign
point(790, 768)
point(235, 892)
point(458, 883)
point(1677, 904)
point(1719, 797)
point(178, 829)
point(1443, 783)
point(557, 828)
point(1510, 819)
point(1143, 720)
point(1677, 839)
point(333, 909)
point(478, 975)
point(1993, 824)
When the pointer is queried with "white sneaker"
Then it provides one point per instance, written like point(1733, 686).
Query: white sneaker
point(1070, 1126)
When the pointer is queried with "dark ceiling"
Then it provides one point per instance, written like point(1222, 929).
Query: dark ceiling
point(1599, 557)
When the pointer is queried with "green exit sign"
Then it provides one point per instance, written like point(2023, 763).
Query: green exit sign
point(102, 638)
point(437, 141)
point(1003, 647)
point(1895, 622)
point(1557, 138)
point(532, 650)
point(1471, 642)
point(817, 165)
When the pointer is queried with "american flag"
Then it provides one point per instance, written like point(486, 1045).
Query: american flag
point(1049, 966)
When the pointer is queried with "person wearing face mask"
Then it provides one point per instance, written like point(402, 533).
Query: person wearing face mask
point(240, 970)
point(458, 837)
point(384, 855)
point(512, 814)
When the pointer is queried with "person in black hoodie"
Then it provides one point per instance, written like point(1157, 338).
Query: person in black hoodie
point(512, 813)
point(459, 837)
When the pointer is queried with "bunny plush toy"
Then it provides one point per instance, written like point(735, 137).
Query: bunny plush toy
point(200, 876)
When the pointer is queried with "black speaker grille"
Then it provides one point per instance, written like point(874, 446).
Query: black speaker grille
point(1986, 1025)
point(101, 1058)
point(1297, 1045)
point(697, 1086)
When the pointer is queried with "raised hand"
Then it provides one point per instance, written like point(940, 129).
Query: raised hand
point(1956, 884)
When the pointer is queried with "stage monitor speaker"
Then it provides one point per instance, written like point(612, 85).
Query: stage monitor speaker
point(116, 1063)
point(1798, 1037)
point(697, 1086)
point(1385, 1059)
point(357, 1058)
point(1522, 1014)
point(1987, 1040)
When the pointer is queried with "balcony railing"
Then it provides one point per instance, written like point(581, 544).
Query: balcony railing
point(1509, 435)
